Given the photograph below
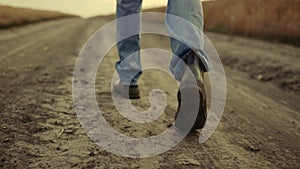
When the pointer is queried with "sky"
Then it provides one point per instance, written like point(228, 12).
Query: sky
point(83, 8)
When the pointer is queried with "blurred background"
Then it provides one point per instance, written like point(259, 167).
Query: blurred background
point(267, 19)
point(81, 8)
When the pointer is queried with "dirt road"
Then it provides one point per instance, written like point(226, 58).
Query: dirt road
point(259, 127)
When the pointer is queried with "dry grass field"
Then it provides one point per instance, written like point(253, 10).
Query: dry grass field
point(11, 16)
point(277, 20)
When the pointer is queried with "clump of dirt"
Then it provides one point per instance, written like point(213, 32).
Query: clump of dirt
point(272, 72)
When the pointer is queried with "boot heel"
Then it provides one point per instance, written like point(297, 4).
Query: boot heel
point(187, 111)
point(186, 118)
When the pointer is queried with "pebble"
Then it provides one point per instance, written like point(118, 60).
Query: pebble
point(92, 153)
point(69, 131)
point(259, 77)
point(253, 149)
point(45, 48)
point(188, 161)
point(126, 127)
point(169, 125)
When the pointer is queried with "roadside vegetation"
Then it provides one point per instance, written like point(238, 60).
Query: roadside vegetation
point(12, 16)
point(272, 20)
point(266, 19)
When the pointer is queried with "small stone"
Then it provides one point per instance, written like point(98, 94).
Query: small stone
point(45, 48)
point(69, 131)
point(169, 125)
point(284, 102)
point(126, 127)
point(92, 153)
point(259, 77)
point(253, 149)
point(190, 161)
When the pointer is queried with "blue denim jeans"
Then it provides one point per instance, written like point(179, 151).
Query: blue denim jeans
point(189, 10)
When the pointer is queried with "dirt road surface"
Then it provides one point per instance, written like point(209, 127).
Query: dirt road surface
point(259, 127)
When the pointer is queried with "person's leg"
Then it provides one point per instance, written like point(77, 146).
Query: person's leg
point(185, 22)
point(185, 25)
point(129, 46)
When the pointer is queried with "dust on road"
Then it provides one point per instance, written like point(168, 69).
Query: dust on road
point(259, 127)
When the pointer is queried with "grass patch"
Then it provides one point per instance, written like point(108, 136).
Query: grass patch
point(12, 16)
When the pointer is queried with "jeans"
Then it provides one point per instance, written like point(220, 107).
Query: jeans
point(189, 10)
